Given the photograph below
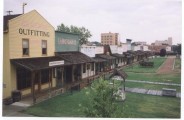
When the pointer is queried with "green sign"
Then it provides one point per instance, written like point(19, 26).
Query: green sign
point(65, 42)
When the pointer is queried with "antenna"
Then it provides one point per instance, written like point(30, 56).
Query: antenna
point(24, 4)
point(9, 12)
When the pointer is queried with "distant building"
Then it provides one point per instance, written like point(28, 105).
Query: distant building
point(164, 42)
point(92, 50)
point(128, 41)
point(109, 38)
point(140, 43)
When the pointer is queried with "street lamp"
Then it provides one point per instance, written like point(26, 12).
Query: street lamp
point(24, 4)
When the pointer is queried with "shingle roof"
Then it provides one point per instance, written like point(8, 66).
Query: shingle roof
point(108, 57)
point(98, 59)
point(38, 63)
point(119, 73)
point(74, 57)
point(118, 55)
point(6, 19)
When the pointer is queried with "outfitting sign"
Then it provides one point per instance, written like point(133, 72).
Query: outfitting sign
point(33, 32)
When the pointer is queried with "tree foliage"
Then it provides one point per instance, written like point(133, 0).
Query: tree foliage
point(162, 52)
point(101, 101)
point(177, 49)
point(83, 32)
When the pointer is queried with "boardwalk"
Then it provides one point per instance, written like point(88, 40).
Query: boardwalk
point(147, 91)
point(167, 66)
point(156, 83)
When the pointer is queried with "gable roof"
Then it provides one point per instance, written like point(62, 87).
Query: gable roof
point(10, 17)
point(6, 19)
point(119, 73)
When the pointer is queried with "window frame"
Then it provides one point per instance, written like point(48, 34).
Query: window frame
point(43, 47)
point(27, 40)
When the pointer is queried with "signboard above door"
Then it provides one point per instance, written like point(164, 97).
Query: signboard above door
point(54, 63)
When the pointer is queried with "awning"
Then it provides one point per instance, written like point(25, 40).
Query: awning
point(118, 55)
point(98, 59)
point(39, 63)
point(107, 57)
point(74, 57)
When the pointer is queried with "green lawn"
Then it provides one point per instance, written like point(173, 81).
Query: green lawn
point(177, 63)
point(168, 78)
point(135, 106)
point(151, 86)
point(138, 69)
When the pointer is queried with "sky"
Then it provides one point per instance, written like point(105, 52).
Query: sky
point(139, 20)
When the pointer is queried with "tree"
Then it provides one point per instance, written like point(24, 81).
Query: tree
point(162, 52)
point(101, 100)
point(177, 49)
point(83, 32)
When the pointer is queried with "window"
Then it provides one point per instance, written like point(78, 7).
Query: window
point(25, 47)
point(23, 78)
point(44, 47)
point(44, 76)
point(84, 68)
point(88, 66)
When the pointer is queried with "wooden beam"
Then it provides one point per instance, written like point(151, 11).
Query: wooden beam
point(33, 87)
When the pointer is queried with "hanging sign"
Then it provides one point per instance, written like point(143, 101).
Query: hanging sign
point(54, 63)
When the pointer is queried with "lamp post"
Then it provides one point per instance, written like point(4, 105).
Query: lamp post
point(24, 4)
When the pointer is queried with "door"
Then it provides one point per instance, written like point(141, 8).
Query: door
point(59, 77)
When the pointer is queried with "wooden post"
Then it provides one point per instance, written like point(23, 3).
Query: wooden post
point(124, 84)
point(39, 80)
point(33, 87)
point(49, 82)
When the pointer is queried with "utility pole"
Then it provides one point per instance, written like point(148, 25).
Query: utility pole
point(9, 12)
point(24, 4)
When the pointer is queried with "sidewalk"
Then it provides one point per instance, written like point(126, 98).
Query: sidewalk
point(148, 91)
point(14, 110)
point(156, 83)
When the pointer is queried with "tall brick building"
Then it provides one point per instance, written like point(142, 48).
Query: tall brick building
point(109, 38)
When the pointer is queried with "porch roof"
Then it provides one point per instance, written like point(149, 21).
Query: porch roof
point(98, 59)
point(74, 57)
point(38, 63)
point(108, 57)
point(118, 55)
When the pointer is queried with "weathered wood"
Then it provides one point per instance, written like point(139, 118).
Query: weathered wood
point(33, 87)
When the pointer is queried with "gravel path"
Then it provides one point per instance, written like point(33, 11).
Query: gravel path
point(167, 66)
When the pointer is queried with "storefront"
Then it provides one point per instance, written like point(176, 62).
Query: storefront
point(82, 67)
point(28, 43)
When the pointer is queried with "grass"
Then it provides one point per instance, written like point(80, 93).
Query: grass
point(177, 64)
point(151, 86)
point(147, 106)
point(168, 78)
point(135, 106)
point(138, 69)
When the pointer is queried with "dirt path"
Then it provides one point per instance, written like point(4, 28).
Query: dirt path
point(167, 66)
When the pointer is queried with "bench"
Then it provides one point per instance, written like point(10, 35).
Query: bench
point(168, 92)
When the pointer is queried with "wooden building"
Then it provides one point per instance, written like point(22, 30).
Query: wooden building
point(28, 45)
